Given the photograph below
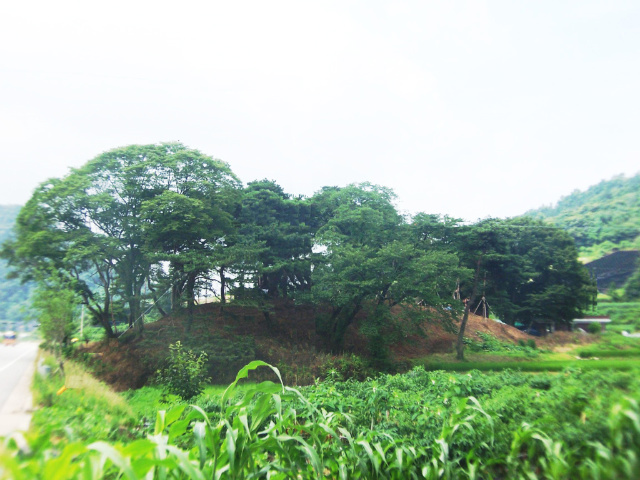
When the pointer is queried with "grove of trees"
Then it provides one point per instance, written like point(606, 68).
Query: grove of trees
point(164, 223)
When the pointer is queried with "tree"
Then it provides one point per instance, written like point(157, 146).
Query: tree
point(55, 308)
point(187, 224)
point(529, 269)
point(103, 226)
point(51, 236)
point(372, 261)
point(479, 246)
point(543, 278)
point(632, 287)
point(279, 224)
point(54, 304)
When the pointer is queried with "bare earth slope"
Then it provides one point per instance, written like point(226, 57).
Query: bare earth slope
point(286, 337)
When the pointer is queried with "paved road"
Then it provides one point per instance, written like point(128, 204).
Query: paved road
point(16, 371)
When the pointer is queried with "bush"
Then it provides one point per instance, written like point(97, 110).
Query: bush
point(345, 367)
point(184, 373)
point(594, 328)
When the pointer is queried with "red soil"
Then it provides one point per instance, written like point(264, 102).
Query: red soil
point(286, 337)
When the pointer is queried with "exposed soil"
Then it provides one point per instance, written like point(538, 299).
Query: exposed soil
point(282, 334)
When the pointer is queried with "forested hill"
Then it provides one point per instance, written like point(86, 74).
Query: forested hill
point(601, 219)
point(8, 214)
point(13, 295)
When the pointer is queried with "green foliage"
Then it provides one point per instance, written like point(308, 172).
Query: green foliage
point(96, 226)
point(345, 367)
point(373, 261)
point(611, 351)
point(594, 328)
point(55, 306)
point(138, 222)
point(604, 217)
point(632, 287)
point(224, 353)
point(280, 225)
point(184, 373)
point(422, 425)
point(87, 410)
point(532, 366)
point(620, 313)
point(489, 343)
point(530, 270)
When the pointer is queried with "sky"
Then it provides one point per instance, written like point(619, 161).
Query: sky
point(465, 108)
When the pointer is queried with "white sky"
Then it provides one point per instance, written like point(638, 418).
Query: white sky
point(466, 108)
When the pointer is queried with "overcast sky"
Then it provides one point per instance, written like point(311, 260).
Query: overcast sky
point(471, 109)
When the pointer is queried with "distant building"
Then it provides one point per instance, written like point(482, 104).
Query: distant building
point(542, 327)
point(583, 323)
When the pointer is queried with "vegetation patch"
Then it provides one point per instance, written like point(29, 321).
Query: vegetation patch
point(73, 405)
point(421, 424)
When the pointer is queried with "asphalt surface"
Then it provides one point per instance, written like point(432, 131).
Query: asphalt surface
point(17, 364)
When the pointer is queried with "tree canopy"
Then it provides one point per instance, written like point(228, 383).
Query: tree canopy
point(140, 221)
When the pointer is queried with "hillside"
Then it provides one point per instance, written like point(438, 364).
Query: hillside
point(13, 295)
point(601, 219)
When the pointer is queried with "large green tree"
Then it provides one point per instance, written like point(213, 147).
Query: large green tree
point(541, 277)
point(189, 222)
point(528, 270)
point(278, 225)
point(373, 259)
point(103, 226)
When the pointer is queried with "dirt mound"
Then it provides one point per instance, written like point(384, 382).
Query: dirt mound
point(437, 339)
point(281, 333)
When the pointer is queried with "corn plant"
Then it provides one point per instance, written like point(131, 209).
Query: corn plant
point(276, 432)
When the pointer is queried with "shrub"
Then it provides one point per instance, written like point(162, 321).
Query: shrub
point(345, 367)
point(594, 328)
point(184, 373)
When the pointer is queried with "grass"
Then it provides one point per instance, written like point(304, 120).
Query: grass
point(77, 406)
point(621, 313)
point(530, 366)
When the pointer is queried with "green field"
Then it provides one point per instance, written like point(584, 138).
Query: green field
point(567, 420)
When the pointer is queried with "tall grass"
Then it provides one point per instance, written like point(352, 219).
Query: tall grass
point(73, 405)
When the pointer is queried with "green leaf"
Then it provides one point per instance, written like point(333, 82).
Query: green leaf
point(115, 457)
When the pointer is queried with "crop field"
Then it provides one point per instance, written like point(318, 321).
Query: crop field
point(577, 423)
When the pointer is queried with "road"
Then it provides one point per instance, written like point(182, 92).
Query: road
point(16, 371)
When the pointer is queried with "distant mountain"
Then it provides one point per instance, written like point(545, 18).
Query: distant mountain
point(13, 295)
point(602, 219)
point(8, 215)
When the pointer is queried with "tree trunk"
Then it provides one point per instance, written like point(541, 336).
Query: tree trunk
point(155, 298)
point(465, 316)
point(103, 319)
point(223, 285)
point(191, 283)
point(341, 323)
